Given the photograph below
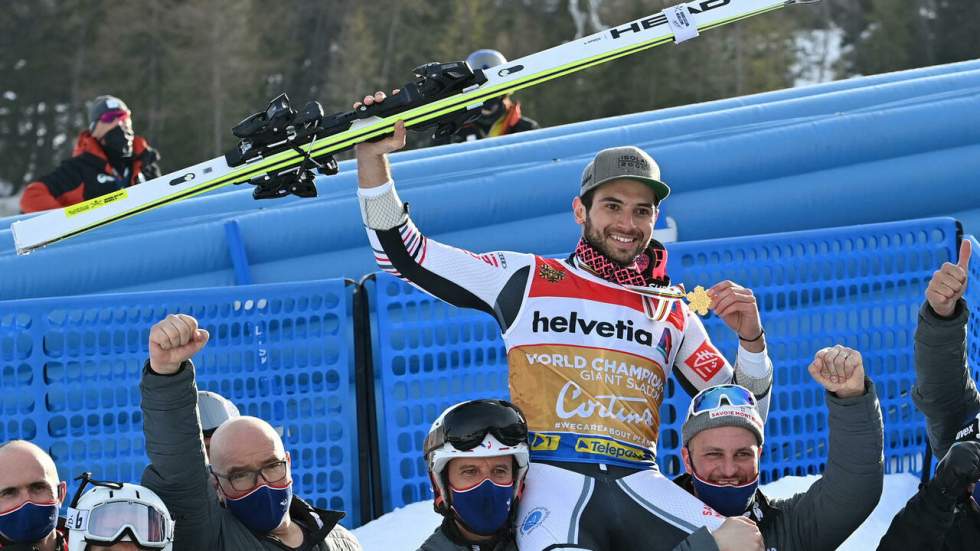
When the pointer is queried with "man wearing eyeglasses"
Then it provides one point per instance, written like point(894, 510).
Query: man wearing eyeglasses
point(249, 467)
point(108, 157)
point(723, 439)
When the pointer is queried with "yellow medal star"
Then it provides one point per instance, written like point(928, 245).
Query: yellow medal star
point(699, 300)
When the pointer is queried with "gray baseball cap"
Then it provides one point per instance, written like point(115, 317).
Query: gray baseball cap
point(624, 162)
point(214, 409)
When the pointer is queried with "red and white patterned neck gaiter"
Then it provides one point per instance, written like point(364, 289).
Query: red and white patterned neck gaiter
point(647, 270)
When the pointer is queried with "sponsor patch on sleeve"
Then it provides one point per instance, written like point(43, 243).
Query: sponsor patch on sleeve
point(706, 361)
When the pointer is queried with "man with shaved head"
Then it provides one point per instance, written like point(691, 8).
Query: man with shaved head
point(30, 495)
point(249, 503)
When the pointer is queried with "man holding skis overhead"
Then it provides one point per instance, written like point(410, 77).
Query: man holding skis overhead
point(591, 341)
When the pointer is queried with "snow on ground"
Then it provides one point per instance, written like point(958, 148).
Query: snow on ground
point(408, 527)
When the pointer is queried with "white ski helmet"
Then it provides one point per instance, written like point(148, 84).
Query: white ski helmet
point(476, 428)
point(484, 59)
point(114, 512)
point(214, 409)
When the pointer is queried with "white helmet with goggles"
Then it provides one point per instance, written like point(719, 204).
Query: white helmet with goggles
point(477, 428)
point(112, 512)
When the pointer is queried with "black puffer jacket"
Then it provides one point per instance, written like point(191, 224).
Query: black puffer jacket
point(947, 395)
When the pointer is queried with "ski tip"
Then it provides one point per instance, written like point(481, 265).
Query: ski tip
point(20, 247)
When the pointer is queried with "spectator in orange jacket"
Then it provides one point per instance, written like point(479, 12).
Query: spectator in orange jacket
point(107, 158)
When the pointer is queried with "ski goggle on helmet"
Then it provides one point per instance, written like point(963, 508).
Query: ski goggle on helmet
point(111, 512)
point(465, 425)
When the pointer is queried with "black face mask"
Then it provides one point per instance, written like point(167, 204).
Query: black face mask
point(492, 109)
point(118, 143)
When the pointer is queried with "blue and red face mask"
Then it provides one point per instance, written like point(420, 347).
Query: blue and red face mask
point(485, 508)
point(29, 522)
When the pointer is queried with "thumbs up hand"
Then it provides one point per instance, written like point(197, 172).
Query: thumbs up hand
point(948, 283)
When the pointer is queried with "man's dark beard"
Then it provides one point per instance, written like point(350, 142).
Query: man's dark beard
point(594, 238)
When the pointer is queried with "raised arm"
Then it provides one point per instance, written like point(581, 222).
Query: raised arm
point(492, 282)
point(177, 470)
point(850, 488)
point(944, 390)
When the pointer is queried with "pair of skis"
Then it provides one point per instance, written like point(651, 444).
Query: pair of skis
point(282, 149)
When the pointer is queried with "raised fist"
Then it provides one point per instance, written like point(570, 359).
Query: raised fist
point(174, 340)
point(840, 370)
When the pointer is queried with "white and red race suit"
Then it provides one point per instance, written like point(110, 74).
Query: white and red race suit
point(589, 359)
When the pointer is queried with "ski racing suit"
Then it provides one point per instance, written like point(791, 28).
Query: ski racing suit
point(588, 361)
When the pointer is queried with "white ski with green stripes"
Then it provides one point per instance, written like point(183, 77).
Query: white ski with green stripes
point(678, 23)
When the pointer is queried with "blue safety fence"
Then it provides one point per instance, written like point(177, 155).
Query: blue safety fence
point(973, 302)
point(70, 371)
point(858, 286)
point(428, 355)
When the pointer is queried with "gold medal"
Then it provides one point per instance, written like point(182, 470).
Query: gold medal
point(699, 300)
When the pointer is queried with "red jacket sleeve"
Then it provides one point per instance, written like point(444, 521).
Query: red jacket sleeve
point(37, 197)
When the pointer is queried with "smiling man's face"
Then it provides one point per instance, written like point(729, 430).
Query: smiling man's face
point(619, 222)
point(724, 456)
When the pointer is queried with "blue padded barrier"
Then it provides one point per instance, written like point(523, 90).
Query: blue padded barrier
point(859, 286)
point(242, 201)
point(70, 370)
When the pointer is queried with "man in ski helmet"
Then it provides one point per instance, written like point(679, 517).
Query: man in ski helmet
point(944, 514)
point(499, 116)
point(590, 342)
point(723, 441)
point(108, 156)
point(252, 505)
point(477, 456)
point(30, 497)
point(115, 516)
point(213, 409)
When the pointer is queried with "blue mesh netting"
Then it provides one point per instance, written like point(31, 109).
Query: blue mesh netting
point(973, 302)
point(856, 286)
point(70, 370)
point(428, 355)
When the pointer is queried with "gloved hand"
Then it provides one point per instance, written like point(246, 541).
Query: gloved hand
point(959, 469)
point(150, 157)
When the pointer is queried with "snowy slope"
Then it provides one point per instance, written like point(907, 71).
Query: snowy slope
point(408, 527)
